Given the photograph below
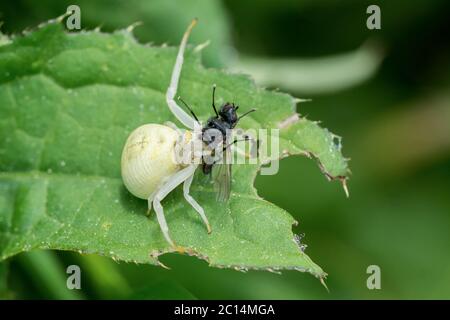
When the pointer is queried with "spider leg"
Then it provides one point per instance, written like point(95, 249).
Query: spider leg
point(172, 182)
point(177, 111)
point(193, 203)
point(172, 125)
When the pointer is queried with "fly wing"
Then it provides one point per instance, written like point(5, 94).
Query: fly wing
point(222, 177)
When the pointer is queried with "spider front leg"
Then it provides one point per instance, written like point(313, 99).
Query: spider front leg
point(178, 112)
point(173, 181)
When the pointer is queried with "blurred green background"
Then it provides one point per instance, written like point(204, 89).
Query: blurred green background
point(386, 92)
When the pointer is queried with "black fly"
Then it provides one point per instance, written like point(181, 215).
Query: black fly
point(214, 133)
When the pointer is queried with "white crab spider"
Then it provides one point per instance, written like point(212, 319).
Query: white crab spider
point(149, 168)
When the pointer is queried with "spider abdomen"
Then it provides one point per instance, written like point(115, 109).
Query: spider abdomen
point(148, 158)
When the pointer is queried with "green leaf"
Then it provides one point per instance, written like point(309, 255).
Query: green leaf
point(68, 103)
point(163, 21)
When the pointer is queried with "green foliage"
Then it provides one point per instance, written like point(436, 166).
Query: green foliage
point(162, 21)
point(47, 274)
point(315, 75)
point(68, 102)
point(3, 280)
